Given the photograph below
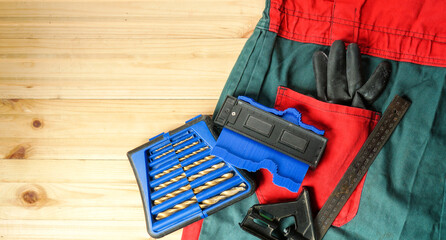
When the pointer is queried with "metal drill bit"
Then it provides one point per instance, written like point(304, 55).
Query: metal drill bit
point(205, 171)
point(187, 147)
point(173, 180)
point(172, 194)
point(174, 145)
point(164, 154)
point(198, 162)
point(182, 141)
point(223, 195)
point(193, 153)
point(167, 171)
point(213, 182)
point(176, 208)
point(162, 147)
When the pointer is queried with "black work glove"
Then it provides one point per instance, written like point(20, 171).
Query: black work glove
point(339, 80)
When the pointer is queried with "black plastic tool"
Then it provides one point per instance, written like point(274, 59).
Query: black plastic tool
point(281, 221)
point(271, 130)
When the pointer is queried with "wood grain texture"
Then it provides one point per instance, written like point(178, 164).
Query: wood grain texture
point(76, 229)
point(115, 69)
point(88, 129)
point(81, 83)
point(128, 19)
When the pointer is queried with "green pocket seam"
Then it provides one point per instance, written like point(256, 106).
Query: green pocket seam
point(442, 230)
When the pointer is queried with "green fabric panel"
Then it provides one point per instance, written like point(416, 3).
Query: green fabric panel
point(279, 67)
point(404, 192)
point(224, 223)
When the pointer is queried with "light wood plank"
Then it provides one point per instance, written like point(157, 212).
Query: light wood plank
point(117, 48)
point(128, 19)
point(114, 69)
point(99, 192)
point(71, 194)
point(75, 229)
point(118, 86)
point(52, 211)
point(66, 148)
point(28, 197)
point(67, 171)
point(28, 107)
point(128, 27)
point(88, 129)
point(126, 8)
point(89, 125)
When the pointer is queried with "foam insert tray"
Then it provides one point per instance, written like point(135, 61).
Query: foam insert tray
point(180, 182)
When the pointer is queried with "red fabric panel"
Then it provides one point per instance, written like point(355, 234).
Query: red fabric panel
point(346, 129)
point(409, 31)
point(192, 231)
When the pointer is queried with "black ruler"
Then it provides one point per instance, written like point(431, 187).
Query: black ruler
point(358, 168)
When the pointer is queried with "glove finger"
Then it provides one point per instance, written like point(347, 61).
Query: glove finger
point(354, 80)
point(336, 75)
point(376, 84)
point(320, 60)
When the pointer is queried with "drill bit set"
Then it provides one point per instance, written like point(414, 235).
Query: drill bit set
point(180, 181)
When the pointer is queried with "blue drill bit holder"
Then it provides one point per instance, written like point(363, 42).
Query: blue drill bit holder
point(183, 146)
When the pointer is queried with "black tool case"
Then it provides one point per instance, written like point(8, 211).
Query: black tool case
point(180, 182)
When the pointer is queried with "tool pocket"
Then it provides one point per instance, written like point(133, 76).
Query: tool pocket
point(342, 147)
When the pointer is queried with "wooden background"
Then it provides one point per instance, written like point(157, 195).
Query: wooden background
point(83, 82)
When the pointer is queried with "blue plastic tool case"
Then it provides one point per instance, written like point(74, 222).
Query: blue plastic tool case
point(166, 169)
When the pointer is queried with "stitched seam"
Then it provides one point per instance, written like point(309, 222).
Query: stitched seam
point(412, 59)
point(348, 20)
point(441, 59)
point(294, 10)
point(303, 39)
point(331, 20)
point(277, 103)
point(354, 25)
point(373, 118)
point(443, 210)
point(283, 91)
point(261, 194)
point(308, 18)
point(371, 50)
point(305, 35)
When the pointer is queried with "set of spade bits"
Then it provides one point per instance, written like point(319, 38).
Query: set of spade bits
point(181, 182)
